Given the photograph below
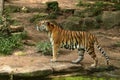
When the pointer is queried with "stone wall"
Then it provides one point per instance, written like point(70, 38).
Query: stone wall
point(32, 1)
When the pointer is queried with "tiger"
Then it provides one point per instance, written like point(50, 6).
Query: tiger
point(80, 40)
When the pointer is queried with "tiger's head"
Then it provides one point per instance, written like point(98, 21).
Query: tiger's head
point(42, 25)
point(47, 26)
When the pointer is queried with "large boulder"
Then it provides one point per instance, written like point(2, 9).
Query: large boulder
point(111, 19)
point(78, 24)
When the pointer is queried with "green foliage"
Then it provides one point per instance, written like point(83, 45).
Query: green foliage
point(44, 47)
point(117, 6)
point(97, 8)
point(115, 1)
point(37, 17)
point(82, 78)
point(5, 22)
point(11, 9)
point(42, 16)
point(14, 22)
point(22, 35)
point(99, 18)
point(52, 16)
point(81, 3)
point(9, 20)
point(9, 43)
point(52, 6)
point(1, 20)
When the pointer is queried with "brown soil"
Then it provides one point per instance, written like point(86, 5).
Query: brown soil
point(107, 39)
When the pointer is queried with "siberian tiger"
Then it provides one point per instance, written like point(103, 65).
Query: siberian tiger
point(83, 41)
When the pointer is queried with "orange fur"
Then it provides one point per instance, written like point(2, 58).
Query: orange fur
point(83, 41)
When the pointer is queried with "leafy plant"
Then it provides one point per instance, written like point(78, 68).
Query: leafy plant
point(11, 9)
point(9, 43)
point(44, 47)
point(115, 1)
point(52, 6)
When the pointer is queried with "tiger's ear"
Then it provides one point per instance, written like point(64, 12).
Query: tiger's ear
point(48, 23)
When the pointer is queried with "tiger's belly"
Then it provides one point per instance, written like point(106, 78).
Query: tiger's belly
point(69, 46)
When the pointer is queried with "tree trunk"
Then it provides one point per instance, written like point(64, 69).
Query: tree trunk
point(1, 7)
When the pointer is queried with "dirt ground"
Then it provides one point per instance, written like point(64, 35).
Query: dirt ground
point(107, 39)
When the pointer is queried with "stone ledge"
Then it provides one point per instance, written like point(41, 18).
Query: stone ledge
point(39, 70)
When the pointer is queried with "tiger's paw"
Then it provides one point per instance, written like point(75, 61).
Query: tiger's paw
point(74, 62)
point(53, 60)
point(93, 66)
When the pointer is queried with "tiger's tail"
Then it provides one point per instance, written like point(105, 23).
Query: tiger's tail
point(102, 52)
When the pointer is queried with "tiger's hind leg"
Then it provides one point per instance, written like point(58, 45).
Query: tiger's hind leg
point(80, 57)
point(91, 52)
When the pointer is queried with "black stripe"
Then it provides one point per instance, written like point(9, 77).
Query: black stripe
point(90, 52)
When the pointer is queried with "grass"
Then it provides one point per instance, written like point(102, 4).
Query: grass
point(44, 47)
point(82, 78)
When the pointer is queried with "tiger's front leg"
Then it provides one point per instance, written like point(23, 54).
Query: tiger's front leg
point(54, 52)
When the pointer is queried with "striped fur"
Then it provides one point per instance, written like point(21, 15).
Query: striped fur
point(83, 41)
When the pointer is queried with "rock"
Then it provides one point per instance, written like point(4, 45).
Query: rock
point(5, 69)
point(65, 67)
point(89, 23)
point(26, 71)
point(71, 23)
point(16, 28)
point(78, 24)
point(83, 13)
point(19, 53)
point(78, 13)
point(42, 69)
point(111, 18)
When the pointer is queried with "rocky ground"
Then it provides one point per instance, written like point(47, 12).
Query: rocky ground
point(34, 63)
